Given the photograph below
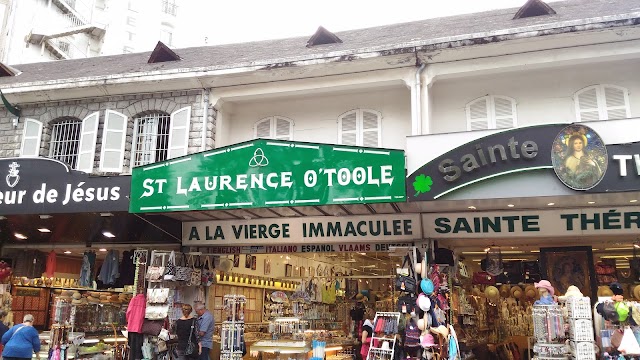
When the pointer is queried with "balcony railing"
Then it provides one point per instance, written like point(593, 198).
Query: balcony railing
point(168, 7)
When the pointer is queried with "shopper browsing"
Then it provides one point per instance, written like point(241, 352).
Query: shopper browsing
point(21, 341)
point(367, 333)
point(205, 330)
point(186, 329)
point(3, 327)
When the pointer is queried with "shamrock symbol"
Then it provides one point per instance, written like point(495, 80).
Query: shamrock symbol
point(422, 184)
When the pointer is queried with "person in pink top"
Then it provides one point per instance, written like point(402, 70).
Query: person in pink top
point(135, 317)
point(367, 333)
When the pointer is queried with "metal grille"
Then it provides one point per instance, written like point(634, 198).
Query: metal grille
point(152, 139)
point(65, 141)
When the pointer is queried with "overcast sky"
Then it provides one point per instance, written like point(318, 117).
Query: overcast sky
point(232, 21)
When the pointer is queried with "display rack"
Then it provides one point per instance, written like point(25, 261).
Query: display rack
point(232, 330)
point(581, 339)
point(383, 341)
point(548, 332)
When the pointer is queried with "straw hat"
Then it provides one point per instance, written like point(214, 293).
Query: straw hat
point(530, 292)
point(504, 291)
point(604, 291)
point(572, 291)
point(440, 330)
point(76, 302)
point(492, 293)
point(421, 268)
point(77, 296)
point(516, 292)
point(422, 323)
point(225, 265)
point(636, 292)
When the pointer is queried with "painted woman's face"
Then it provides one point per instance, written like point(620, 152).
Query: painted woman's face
point(578, 145)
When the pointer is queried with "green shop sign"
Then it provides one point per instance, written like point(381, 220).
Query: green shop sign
point(269, 173)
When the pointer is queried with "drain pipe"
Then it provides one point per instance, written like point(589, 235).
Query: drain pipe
point(419, 98)
point(205, 117)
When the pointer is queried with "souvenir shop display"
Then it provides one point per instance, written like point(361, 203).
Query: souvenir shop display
point(383, 341)
point(617, 323)
point(549, 332)
point(581, 339)
point(233, 345)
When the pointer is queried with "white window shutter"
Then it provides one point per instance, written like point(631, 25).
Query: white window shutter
point(478, 114)
point(587, 104)
point(283, 128)
point(179, 133)
point(616, 102)
point(113, 141)
point(31, 137)
point(371, 132)
point(348, 129)
point(87, 146)
point(504, 112)
point(262, 129)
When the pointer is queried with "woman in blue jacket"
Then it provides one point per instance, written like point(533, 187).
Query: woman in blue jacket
point(21, 341)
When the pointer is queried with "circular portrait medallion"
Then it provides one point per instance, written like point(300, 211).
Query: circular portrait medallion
point(579, 157)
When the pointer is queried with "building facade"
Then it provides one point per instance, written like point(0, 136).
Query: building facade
point(45, 30)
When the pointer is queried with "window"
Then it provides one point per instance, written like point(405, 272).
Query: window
point(602, 102)
point(166, 36)
point(491, 112)
point(169, 7)
point(151, 138)
point(158, 136)
point(360, 128)
point(274, 127)
point(131, 21)
point(114, 134)
point(73, 141)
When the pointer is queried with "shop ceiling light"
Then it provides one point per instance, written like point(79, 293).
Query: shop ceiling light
point(44, 217)
point(44, 230)
point(472, 207)
point(108, 234)
point(67, 252)
point(636, 245)
point(551, 204)
point(103, 250)
point(510, 205)
point(2, 217)
point(20, 236)
point(591, 202)
point(633, 200)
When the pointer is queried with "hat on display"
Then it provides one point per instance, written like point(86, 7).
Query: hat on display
point(421, 268)
point(504, 291)
point(492, 293)
point(516, 292)
point(385, 346)
point(423, 302)
point(636, 292)
point(476, 291)
point(426, 285)
point(440, 330)
point(427, 340)
point(545, 284)
point(225, 265)
point(622, 309)
point(616, 288)
point(76, 296)
point(635, 313)
point(572, 291)
point(530, 292)
point(604, 291)
point(608, 311)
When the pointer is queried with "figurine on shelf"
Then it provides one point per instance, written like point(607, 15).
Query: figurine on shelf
point(546, 291)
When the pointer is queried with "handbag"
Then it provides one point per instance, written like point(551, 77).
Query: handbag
point(162, 346)
point(483, 278)
point(407, 304)
point(404, 282)
point(412, 335)
point(157, 296)
point(156, 312)
point(183, 272)
point(191, 350)
point(208, 274)
point(152, 327)
point(195, 278)
point(155, 269)
point(170, 268)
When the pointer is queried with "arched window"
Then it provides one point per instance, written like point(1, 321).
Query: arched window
point(73, 141)
point(158, 136)
point(274, 127)
point(602, 102)
point(360, 127)
point(491, 112)
point(151, 138)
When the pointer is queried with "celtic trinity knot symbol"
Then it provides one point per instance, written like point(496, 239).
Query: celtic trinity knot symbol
point(258, 159)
